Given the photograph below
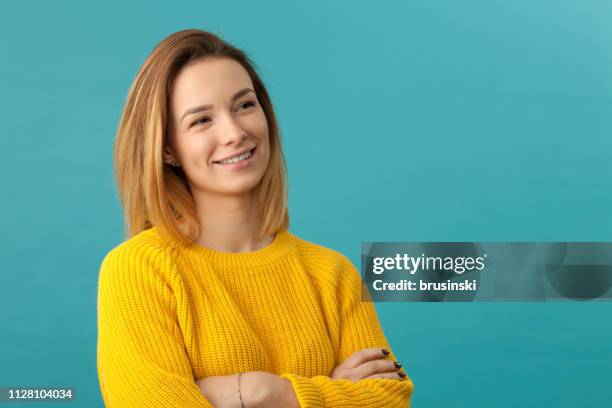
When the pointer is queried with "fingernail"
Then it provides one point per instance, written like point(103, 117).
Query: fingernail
point(401, 374)
point(385, 352)
point(397, 365)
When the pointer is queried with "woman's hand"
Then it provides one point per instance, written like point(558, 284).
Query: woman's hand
point(221, 391)
point(368, 363)
point(258, 389)
point(263, 389)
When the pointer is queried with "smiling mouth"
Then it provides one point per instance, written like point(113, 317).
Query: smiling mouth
point(250, 155)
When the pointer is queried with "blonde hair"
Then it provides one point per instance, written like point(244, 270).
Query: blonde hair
point(153, 193)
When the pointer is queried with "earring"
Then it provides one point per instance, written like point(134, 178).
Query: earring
point(169, 156)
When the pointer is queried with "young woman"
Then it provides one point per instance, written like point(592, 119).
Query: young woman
point(211, 301)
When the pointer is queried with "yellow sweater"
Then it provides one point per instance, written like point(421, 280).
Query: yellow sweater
point(169, 314)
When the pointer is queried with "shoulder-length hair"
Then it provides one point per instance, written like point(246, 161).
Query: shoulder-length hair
point(155, 194)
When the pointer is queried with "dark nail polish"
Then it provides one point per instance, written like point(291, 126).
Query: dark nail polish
point(385, 352)
point(397, 365)
point(401, 374)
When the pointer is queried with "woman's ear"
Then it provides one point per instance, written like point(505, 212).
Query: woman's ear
point(169, 157)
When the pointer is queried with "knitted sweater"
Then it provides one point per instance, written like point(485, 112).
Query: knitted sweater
point(170, 313)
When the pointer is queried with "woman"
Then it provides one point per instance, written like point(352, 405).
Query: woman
point(211, 301)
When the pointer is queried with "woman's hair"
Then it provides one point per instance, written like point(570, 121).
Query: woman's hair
point(156, 194)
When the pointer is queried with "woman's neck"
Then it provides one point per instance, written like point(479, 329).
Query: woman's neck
point(230, 223)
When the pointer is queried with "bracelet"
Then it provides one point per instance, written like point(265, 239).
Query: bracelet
point(239, 393)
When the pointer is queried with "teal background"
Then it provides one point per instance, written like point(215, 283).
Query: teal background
point(473, 120)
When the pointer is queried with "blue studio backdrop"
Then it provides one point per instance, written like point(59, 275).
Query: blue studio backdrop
point(404, 121)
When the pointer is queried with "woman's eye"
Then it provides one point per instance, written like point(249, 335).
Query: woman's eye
point(200, 121)
point(247, 104)
point(205, 119)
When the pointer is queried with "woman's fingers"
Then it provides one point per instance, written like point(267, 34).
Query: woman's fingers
point(392, 375)
point(368, 363)
point(361, 356)
point(376, 366)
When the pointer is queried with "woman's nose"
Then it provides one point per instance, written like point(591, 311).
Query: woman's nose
point(231, 131)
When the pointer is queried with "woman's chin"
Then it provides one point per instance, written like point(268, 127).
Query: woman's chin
point(241, 187)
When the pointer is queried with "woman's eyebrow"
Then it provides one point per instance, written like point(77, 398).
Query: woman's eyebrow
point(201, 108)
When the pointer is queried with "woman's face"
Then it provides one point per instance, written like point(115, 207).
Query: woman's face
point(216, 115)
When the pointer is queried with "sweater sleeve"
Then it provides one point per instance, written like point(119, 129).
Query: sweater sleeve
point(141, 356)
point(359, 329)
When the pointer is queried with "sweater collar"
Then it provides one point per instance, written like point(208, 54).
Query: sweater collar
point(282, 243)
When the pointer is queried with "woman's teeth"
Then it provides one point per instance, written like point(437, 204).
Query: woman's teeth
point(236, 159)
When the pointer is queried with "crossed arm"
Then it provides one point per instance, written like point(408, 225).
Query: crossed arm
point(142, 359)
point(262, 389)
point(257, 389)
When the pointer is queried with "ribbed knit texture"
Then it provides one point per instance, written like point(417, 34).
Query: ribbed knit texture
point(169, 314)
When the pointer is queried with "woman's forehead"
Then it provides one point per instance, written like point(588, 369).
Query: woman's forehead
point(210, 81)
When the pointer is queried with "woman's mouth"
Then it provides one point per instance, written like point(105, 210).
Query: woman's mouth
point(239, 161)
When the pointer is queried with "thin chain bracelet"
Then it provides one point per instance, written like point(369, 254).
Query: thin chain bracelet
point(239, 393)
